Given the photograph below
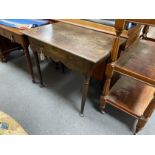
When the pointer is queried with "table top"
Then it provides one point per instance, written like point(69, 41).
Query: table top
point(93, 26)
point(11, 29)
point(82, 42)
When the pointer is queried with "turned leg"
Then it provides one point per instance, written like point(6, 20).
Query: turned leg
point(147, 113)
point(38, 68)
point(140, 124)
point(109, 73)
point(84, 93)
point(29, 63)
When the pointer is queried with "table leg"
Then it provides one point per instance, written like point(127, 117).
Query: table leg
point(38, 68)
point(29, 63)
point(2, 57)
point(84, 93)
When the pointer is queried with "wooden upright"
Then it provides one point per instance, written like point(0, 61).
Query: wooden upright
point(134, 92)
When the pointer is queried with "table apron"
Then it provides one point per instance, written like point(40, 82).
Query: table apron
point(15, 38)
point(72, 61)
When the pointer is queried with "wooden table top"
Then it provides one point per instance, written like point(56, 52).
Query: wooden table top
point(11, 29)
point(85, 43)
point(92, 25)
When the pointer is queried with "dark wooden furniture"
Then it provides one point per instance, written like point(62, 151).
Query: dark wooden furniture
point(15, 36)
point(77, 48)
point(134, 92)
point(130, 35)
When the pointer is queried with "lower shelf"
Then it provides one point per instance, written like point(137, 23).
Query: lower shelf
point(130, 96)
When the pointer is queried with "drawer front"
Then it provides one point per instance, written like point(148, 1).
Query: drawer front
point(71, 61)
point(11, 36)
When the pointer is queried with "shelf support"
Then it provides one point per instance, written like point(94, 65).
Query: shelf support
point(119, 25)
point(147, 113)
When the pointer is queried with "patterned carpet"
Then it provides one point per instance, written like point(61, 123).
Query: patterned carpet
point(9, 126)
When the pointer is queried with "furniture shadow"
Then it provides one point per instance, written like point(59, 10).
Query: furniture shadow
point(17, 54)
point(67, 84)
point(120, 116)
point(18, 59)
point(94, 95)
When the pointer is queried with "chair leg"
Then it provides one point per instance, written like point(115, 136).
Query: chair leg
point(102, 103)
point(140, 124)
point(109, 74)
point(147, 113)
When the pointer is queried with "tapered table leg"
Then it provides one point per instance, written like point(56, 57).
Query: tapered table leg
point(84, 93)
point(38, 68)
point(29, 63)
